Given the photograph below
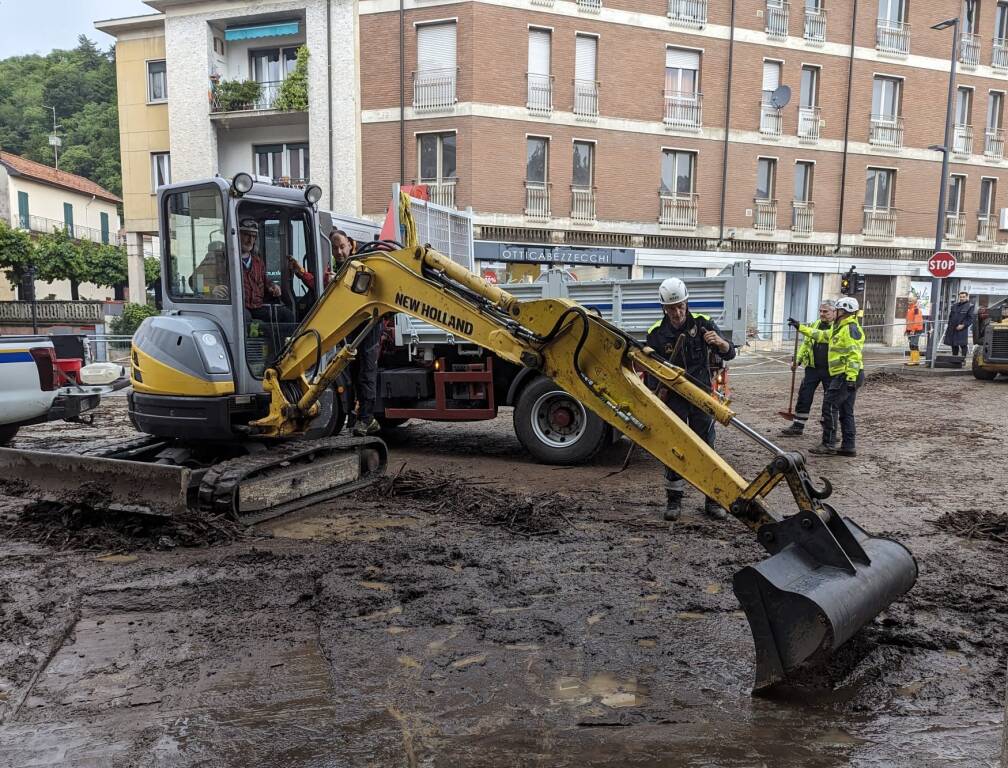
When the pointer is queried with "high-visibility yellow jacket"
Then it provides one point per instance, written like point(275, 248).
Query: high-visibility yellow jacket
point(846, 346)
point(807, 351)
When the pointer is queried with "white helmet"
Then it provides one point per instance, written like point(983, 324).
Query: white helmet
point(847, 304)
point(672, 291)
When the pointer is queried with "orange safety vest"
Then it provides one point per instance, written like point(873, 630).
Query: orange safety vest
point(914, 319)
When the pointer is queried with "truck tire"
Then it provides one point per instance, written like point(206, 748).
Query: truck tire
point(7, 432)
point(554, 427)
point(981, 373)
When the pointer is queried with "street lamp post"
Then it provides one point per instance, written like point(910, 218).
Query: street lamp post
point(945, 149)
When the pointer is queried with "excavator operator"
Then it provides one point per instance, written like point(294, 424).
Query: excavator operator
point(687, 340)
point(255, 283)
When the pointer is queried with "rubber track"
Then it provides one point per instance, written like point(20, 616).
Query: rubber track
point(218, 490)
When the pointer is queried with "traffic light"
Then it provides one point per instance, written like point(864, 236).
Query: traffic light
point(851, 283)
point(859, 283)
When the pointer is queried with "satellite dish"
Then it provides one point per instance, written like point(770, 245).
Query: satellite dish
point(780, 97)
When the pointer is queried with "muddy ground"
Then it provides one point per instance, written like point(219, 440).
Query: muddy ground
point(397, 630)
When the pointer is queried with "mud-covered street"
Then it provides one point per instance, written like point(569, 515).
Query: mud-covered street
point(490, 611)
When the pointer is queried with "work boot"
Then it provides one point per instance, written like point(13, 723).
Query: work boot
point(362, 428)
point(850, 452)
point(713, 509)
point(823, 450)
point(673, 505)
point(792, 431)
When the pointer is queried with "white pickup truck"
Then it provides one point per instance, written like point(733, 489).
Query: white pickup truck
point(30, 391)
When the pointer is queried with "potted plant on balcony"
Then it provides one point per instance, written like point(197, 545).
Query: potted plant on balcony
point(236, 95)
point(293, 96)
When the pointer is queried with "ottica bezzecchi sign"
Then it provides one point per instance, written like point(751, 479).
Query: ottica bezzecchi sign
point(554, 254)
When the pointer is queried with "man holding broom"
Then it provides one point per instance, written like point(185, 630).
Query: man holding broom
point(815, 357)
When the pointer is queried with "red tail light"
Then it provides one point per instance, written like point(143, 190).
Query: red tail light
point(45, 361)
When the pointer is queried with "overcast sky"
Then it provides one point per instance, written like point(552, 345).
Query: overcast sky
point(38, 26)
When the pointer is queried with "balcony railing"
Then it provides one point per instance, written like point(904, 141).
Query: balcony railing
point(688, 13)
point(809, 124)
point(994, 143)
point(441, 191)
point(815, 25)
point(892, 37)
point(586, 98)
point(886, 131)
point(999, 53)
point(683, 110)
point(678, 211)
point(589, 6)
point(955, 227)
point(268, 93)
point(537, 200)
point(986, 228)
point(52, 312)
point(969, 50)
point(879, 223)
point(777, 20)
point(765, 216)
point(962, 140)
point(540, 94)
point(43, 226)
point(582, 205)
point(434, 90)
point(770, 123)
point(543, 3)
point(802, 215)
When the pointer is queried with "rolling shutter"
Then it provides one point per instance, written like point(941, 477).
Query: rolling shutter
point(679, 58)
point(585, 50)
point(539, 52)
point(436, 47)
point(771, 75)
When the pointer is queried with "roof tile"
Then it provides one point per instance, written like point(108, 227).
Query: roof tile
point(21, 166)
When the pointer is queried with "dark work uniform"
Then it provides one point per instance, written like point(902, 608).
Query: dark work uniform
point(693, 356)
point(815, 357)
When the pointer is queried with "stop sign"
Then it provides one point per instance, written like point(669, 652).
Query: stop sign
point(942, 264)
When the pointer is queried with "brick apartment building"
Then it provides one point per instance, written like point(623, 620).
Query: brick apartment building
point(602, 123)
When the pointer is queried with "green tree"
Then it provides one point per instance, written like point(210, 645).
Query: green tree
point(152, 270)
point(293, 94)
point(60, 257)
point(133, 314)
point(105, 265)
point(17, 252)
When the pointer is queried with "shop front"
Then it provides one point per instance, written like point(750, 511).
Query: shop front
point(521, 263)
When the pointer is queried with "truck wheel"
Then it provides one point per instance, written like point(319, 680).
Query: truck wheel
point(554, 427)
point(7, 432)
point(981, 373)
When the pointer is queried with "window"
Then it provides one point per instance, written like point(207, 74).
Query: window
point(766, 178)
point(434, 82)
point(677, 170)
point(68, 218)
point(537, 159)
point(886, 98)
point(803, 181)
point(103, 218)
point(24, 217)
point(540, 91)
point(963, 105)
point(1001, 22)
point(197, 258)
point(809, 97)
point(437, 157)
point(585, 75)
point(880, 188)
point(272, 65)
point(157, 81)
point(892, 10)
point(956, 194)
point(160, 169)
point(771, 79)
point(995, 110)
point(583, 172)
point(282, 162)
point(218, 46)
point(988, 192)
point(970, 23)
point(682, 72)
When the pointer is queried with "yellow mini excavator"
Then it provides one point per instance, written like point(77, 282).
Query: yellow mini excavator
point(238, 407)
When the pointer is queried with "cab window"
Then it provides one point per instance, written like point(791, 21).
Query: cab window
point(195, 246)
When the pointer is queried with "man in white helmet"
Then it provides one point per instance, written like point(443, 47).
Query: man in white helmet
point(846, 369)
point(695, 343)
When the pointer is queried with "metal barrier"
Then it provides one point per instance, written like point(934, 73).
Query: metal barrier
point(104, 348)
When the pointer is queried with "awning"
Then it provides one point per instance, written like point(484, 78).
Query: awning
point(274, 29)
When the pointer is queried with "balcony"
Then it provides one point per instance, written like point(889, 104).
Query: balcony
point(683, 110)
point(540, 95)
point(678, 211)
point(962, 140)
point(765, 216)
point(42, 226)
point(770, 123)
point(999, 53)
point(879, 223)
point(994, 143)
point(802, 215)
point(586, 99)
point(248, 96)
point(987, 228)
point(434, 90)
point(589, 6)
point(777, 20)
point(886, 131)
point(955, 227)
point(892, 37)
point(809, 124)
point(815, 25)
point(537, 200)
point(969, 50)
point(582, 205)
point(542, 3)
point(441, 191)
point(688, 13)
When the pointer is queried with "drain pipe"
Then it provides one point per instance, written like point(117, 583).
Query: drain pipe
point(727, 123)
point(402, 94)
point(846, 132)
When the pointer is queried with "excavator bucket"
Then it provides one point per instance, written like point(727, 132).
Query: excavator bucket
point(824, 582)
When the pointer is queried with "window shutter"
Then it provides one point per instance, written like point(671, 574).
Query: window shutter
point(24, 218)
point(436, 47)
point(68, 218)
point(679, 58)
point(585, 49)
point(539, 52)
point(104, 228)
point(771, 75)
